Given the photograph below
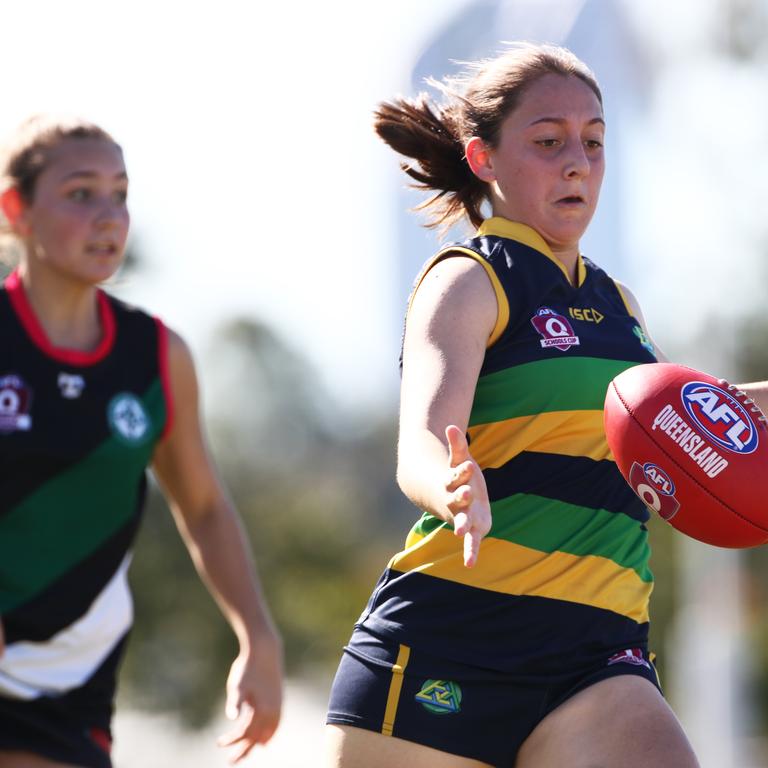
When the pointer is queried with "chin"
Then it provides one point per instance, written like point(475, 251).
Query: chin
point(100, 274)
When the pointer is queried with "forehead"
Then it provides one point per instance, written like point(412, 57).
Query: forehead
point(97, 157)
point(562, 97)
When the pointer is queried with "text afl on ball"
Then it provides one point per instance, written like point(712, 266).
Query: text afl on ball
point(693, 449)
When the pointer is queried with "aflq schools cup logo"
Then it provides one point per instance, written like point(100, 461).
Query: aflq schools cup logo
point(554, 329)
point(15, 404)
point(655, 489)
point(720, 416)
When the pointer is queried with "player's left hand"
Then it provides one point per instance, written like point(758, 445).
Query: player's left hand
point(254, 697)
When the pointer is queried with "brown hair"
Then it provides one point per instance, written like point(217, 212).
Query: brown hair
point(25, 157)
point(476, 103)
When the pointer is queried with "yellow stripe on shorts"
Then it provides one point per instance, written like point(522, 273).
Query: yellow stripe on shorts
point(393, 697)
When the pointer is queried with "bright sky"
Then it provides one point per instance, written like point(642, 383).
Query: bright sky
point(246, 127)
point(258, 187)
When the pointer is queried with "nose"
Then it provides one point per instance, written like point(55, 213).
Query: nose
point(576, 163)
point(110, 215)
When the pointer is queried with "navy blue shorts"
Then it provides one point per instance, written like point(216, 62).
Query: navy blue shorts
point(58, 729)
point(477, 713)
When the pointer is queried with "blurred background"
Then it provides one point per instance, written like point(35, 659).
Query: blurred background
point(271, 229)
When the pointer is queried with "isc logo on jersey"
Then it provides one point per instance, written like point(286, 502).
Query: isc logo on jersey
point(655, 489)
point(720, 416)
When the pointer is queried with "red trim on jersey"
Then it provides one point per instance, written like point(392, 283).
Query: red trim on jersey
point(101, 739)
point(36, 333)
point(165, 375)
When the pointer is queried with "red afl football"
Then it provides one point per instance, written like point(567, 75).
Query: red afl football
point(693, 449)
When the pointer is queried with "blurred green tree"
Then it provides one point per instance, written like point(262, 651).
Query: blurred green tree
point(319, 500)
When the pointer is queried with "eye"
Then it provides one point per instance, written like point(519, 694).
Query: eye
point(79, 194)
point(547, 142)
point(593, 143)
point(120, 196)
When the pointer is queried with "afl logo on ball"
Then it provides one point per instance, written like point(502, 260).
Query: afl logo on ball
point(554, 329)
point(720, 416)
point(655, 489)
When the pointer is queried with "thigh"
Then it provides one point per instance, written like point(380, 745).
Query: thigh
point(28, 760)
point(348, 747)
point(621, 722)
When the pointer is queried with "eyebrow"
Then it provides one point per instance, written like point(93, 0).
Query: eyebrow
point(562, 121)
point(92, 175)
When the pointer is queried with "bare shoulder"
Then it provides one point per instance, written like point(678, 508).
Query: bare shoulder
point(456, 289)
point(176, 344)
point(180, 359)
point(456, 273)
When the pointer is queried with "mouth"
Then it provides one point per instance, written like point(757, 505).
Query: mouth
point(102, 248)
point(571, 200)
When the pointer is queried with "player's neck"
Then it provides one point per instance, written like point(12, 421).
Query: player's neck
point(67, 310)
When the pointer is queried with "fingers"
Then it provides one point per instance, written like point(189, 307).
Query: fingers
point(462, 470)
point(472, 541)
point(252, 729)
point(473, 533)
point(232, 707)
point(467, 498)
point(460, 475)
point(458, 449)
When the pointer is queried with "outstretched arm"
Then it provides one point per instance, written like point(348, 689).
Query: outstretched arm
point(757, 391)
point(218, 546)
point(449, 322)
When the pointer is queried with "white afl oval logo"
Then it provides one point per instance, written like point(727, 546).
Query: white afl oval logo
point(661, 481)
point(723, 418)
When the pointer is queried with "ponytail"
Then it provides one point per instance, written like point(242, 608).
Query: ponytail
point(428, 134)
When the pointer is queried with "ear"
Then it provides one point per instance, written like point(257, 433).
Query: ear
point(478, 156)
point(12, 206)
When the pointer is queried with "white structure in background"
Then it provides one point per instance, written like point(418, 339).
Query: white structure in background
point(709, 662)
point(708, 649)
point(598, 32)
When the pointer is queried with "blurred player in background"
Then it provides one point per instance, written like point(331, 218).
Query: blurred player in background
point(512, 630)
point(92, 391)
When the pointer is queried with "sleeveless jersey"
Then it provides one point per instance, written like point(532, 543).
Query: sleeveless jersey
point(77, 430)
point(563, 572)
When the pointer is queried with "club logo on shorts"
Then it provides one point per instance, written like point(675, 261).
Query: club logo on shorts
point(128, 419)
point(554, 329)
point(15, 404)
point(633, 656)
point(441, 697)
point(722, 417)
point(655, 489)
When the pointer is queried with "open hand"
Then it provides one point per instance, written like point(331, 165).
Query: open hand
point(467, 495)
point(254, 698)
